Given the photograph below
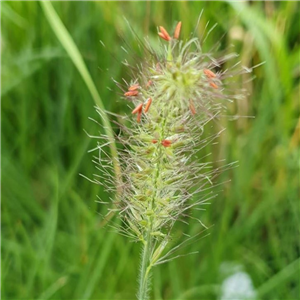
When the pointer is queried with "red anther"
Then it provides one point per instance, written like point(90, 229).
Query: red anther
point(148, 105)
point(163, 31)
point(166, 143)
point(177, 31)
point(212, 84)
point(131, 93)
point(154, 141)
point(164, 34)
point(209, 73)
point(149, 83)
point(134, 87)
point(138, 109)
point(192, 108)
point(139, 115)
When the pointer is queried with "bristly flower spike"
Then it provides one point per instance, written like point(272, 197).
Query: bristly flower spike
point(161, 170)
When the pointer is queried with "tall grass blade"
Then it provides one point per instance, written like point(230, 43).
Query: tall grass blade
point(67, 42)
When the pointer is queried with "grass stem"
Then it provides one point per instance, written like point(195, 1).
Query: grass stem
point(145, 269)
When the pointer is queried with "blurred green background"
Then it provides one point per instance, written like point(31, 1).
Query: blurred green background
point(53, 244)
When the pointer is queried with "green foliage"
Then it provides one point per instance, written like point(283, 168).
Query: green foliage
point(53, 243)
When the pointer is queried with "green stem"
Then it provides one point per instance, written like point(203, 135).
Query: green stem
point(145, 268)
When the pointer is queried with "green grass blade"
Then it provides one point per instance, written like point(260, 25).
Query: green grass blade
point(67, 42)
point(280, 278)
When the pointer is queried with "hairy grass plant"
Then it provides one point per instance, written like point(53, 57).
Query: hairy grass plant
point(176, 93)
point(52, 245)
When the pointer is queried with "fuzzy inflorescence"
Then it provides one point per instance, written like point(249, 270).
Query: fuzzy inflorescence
point(175, 94)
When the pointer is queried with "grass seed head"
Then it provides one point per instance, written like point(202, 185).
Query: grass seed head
point(175, 94)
